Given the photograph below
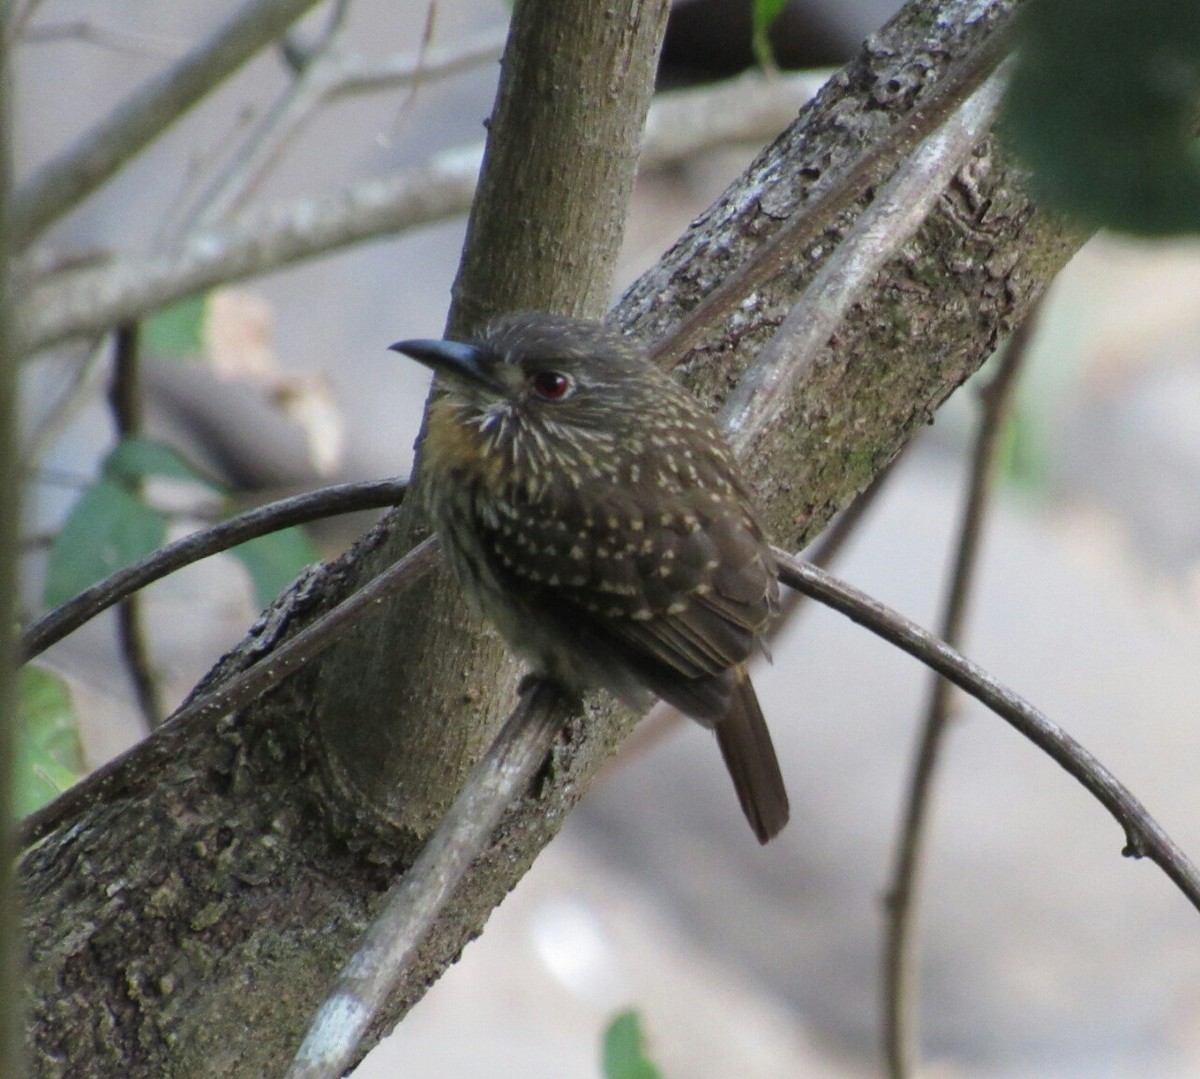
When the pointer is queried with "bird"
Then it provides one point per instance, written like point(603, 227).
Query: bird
point(592, 512)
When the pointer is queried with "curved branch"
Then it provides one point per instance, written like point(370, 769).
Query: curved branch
point(327, 502)
point(1144, 836)
point(416, 901)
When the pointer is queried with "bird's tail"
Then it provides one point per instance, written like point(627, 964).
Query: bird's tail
point(750, 757)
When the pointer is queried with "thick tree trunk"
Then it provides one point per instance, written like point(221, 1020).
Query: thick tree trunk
point(186, 917)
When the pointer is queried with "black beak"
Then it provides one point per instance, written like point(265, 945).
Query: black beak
point(463, 362)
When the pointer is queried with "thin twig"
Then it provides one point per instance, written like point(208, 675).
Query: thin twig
point(901, 988)
point(417, 899)
point(116, 38)
point(82, 382)
point(1144, 836)
point(895, 214)
point(125, 403)
point(327, 502)
point(239, 690)
point(276, 128)
point(66, 180)
point(327, 75)
point(267, 238)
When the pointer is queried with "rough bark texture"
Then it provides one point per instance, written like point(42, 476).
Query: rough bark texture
point(187, 919)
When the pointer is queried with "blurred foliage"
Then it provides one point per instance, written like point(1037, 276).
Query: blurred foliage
point(135, 459)
point(764, 13)
point(49, 753)
point(177, 330)
point(624, 1054)
point(109, 527)
point(1025, 460)
point(112, 525)
point(1102, 107)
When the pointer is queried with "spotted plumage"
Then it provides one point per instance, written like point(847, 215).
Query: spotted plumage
point(592, 511)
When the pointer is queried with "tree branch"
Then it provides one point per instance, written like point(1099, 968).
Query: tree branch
point(835, 191)
point(328, 74)
point(263, 239)
point(1144, 837)
point(300, 509)
point(125, 403)
point(896, 213)
point(60, 184)
point(417, 899)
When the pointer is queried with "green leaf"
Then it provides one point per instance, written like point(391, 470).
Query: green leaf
point(108, 528)
point(623, 1053)
point(49, 756)
point(273, 561)
point(177, 330)
point(1101, 106)
point(136, 458)
point(764, 14)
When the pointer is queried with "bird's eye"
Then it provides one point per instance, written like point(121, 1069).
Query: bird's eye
point(552, 385)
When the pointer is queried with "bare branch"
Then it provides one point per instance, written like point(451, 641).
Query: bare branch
point(895, 214)
point(328, 74)
point(900, 984)
point(415, 902)
point(263, 239)
point(1144, 837)
point(125, 403)
point(327, 502)
point(60, 184)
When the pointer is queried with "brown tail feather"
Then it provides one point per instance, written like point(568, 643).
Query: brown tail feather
point(750, 757)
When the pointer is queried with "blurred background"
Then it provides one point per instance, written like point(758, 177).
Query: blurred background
point(1046, 953)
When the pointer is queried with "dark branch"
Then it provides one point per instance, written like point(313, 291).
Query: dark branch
point(125, 403)
point(327, 502)
point(900, 985)
point(1144, 837)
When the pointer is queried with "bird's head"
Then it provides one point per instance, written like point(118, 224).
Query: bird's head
point(550, 370)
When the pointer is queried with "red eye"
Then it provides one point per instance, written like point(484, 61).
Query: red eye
point(552, 385)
